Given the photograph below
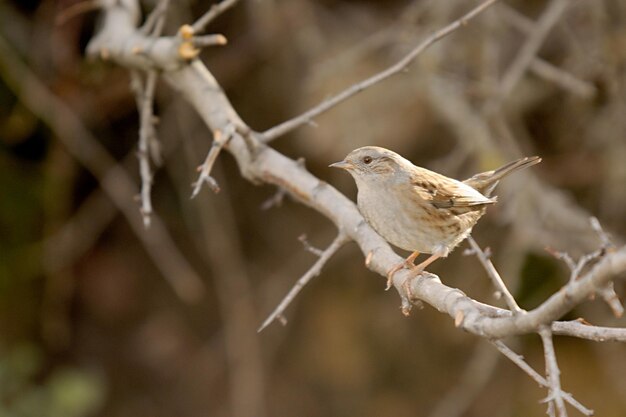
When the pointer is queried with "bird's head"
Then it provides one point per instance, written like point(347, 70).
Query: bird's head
point(372, 163)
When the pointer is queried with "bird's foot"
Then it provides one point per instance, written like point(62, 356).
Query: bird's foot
point(415, 272)
point(408, 298)
point(404, 264)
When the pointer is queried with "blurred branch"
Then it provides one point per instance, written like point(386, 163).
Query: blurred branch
point(400, 66)
point(112, 177)
point(478, 371)
point(543, 68)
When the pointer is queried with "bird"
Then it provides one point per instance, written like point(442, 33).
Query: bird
point(419, 210)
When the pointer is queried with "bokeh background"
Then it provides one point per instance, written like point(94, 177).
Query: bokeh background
point(89, 323)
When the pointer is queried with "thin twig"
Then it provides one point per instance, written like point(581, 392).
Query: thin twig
point(155, 21)
point(219, 140)
point(314, 271)
point(604, 237)
point(400, 66)
point(276, 200)
point(146, 135)
point(308, 247)
point(607, 292)
point(215, 10)
point(521, 363)
point(495, 276)
point(552, 371)
point(583, 330)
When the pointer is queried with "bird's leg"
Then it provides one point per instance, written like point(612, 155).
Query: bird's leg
point(407, 263)
point(417, 270)
point(420, 267)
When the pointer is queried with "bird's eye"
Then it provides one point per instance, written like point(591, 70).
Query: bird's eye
point(367, 159)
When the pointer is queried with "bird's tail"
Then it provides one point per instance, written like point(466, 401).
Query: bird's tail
point(485, 182)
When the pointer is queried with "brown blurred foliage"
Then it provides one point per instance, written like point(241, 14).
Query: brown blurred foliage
point(89, 326)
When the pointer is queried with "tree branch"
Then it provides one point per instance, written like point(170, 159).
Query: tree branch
point(400, 66)
point(314, 271)
point(495, 276)
point(521, 363)
point(553, 372)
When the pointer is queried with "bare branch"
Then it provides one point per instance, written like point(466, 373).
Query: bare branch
point(220, 139)
point(400, 66)
point(607, 292)
point(146, 136)
point(314, 271)
point(521, 363)
point(552, 371)
point(113, 179)
point(153, 26)
point(604, 237)
point(583, 330)
point(215, 10)
point(495, 276)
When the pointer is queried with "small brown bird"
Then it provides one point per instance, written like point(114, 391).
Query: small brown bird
point(416, 209)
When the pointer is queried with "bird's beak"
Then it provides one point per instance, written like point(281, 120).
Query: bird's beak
point(342, 165)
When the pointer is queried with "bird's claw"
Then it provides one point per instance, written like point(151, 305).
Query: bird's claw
point(404, 264)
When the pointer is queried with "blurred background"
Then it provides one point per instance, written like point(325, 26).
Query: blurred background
point(93, 321)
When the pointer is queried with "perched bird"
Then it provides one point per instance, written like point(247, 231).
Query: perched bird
point(417, 209)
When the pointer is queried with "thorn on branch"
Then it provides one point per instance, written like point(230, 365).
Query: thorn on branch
point(308, 247)
point(209, 40)
point(220, 139)
point(275, 200)
point(458, 318)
